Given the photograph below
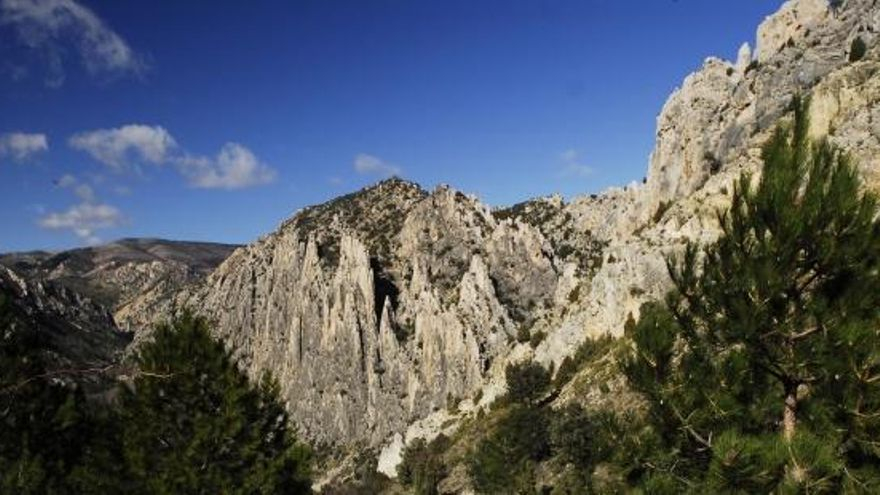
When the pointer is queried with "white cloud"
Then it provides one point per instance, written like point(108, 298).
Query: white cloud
point(369, 164)
point(573, 165)
point(117, 147)
point(85, 193)
point(235, 167)
point(66, 181)
point(80, 190)
point(53, 26)
point(21, 146)
point(121, 190)
point(85, 217)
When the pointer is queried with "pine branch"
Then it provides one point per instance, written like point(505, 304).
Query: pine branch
point(688, 428)
point(56, 374)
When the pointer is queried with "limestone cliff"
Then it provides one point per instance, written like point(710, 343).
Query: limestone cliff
point(381, 307)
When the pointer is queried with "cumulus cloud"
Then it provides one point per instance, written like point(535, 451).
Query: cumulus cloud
point(20, 145)
point(234, 167)
point(52, 27)
point(118, 147)
point(85, 217)
point(371, 165)
point(573, 165)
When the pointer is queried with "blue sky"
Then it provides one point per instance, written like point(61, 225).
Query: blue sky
point(217, 120)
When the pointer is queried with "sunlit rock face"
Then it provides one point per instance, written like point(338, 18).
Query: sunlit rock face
point(381, 307)
point(385, 312)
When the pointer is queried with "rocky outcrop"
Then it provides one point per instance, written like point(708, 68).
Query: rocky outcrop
point(710, 131)
point(369, 335)
point(716, 115)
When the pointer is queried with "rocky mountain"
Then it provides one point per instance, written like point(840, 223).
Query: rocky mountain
point(386, 313)
point(115, 274)
point(390, 313)
point(381, 307)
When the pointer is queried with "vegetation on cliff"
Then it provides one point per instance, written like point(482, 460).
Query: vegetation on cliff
point(759, 372)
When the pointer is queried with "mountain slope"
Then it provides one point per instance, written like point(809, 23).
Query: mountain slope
point(78, 336)
point(114, 274)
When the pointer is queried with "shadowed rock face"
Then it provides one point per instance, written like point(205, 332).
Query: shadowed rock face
point(78, 336)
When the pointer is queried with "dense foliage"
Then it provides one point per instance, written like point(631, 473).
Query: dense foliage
point(42, 425)
point(524, 431)
point(857, 49)
point(192, 422)
point(526, 381)
point(188, 422)
point(762, 367)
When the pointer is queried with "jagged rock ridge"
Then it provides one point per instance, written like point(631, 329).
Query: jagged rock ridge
point(376, 319)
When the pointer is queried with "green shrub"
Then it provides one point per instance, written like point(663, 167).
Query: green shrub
point(422, 467)
point(589, 351)
point(193, 423)
point(857, 49)
point(526, 381)
point(536, 339)
point(582, 438)
point(504, 462)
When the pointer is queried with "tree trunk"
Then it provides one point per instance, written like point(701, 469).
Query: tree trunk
point(789, 414)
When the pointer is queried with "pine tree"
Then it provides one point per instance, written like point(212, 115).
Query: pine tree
point(526, 381)
point(504, 461)
point(193, 423)
point(762, 368)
